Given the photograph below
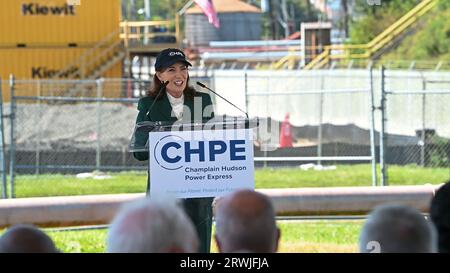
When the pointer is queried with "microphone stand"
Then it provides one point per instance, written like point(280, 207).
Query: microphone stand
point(206, 87)
point(163, 87)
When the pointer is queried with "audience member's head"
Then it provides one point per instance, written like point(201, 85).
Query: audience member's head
point(440, 215)
point(397, 229)
point(245, 221)
point(152, 226)
point(26, 239)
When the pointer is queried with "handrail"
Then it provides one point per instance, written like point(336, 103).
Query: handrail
point(290, 59)
point(422, 5)
point(110, 49)
point(143, 35)
point(144, 23)
point(322, 56)
point(402, 24)
point(126, 31)
point(132, 30)
point(103, 42)
point(380, 41)
point(84, 58)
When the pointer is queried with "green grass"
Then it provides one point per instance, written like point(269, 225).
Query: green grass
point(60, 185)
point(135, 182)
point(297, 236)
point(348, 176)
point(413, 175)
point(335, 236)
point(319, 236)
point(85, 241)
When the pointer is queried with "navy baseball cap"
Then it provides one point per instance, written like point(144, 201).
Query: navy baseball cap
point(170, 56)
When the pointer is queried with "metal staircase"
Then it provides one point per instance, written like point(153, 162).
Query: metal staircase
point(384, 39)
point(96, 60)
point(371, 50)
point(143, 37)
point(92, 64)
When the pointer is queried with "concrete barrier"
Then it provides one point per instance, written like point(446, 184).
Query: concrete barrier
point(100, 209)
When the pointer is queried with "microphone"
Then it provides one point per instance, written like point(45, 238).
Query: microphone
point(206, 87)
point(163, 87)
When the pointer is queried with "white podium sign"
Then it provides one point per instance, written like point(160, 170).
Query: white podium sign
point(203, 163)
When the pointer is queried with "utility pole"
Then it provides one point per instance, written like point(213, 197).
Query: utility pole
point(274, 15)
point(132, 10)
point(344, 5)
point(147, 10)
point(285, 21)
point(147, 18)
point(272, 18)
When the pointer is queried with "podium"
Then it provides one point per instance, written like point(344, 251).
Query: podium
point(195, 160)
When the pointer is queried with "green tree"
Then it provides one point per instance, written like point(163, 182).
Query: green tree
point(371, 20)
point(431, 41)
point(160, 9)
point(298, 11)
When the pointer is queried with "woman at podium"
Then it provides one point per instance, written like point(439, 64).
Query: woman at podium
point(169, 100)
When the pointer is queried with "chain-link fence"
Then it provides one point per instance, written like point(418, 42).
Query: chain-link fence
point(417, 119)
point(62, 126)
point(80, 126)
point(70, 126)
point(330, 113)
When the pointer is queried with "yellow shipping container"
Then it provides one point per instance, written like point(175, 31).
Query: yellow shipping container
point(55, 23)
point(45, 63)
point(41, 39)
point(26, 63)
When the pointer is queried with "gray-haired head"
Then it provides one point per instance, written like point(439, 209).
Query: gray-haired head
point(395, 228)
point(26, 239)
point(245, 219)
point(152, 226)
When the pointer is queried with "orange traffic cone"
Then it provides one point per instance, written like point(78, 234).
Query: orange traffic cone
point(286, 133)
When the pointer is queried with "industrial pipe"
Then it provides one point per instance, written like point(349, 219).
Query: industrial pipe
point(100, 209)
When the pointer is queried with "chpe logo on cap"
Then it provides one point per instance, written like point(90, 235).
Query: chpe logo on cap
point(173, 53)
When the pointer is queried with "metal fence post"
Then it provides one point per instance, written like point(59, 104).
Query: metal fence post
point(2, 143)
point(384, 177)
point(268, 121)
point(422, 137)
point(246, 91)
point(38, 138)
point(99, 125)
point(12, 150)
point(319, 128)
point(372, 130)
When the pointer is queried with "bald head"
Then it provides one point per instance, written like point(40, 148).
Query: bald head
point(26, 239)
point(245, 219)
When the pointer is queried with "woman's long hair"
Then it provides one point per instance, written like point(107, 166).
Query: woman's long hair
point(189, 91)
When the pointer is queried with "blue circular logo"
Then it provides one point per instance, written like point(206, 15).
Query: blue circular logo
point(167, 152)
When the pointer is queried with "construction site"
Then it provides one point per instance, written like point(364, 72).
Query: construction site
point(73, 71)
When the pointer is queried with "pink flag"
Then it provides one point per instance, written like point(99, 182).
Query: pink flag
point(207, 7)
